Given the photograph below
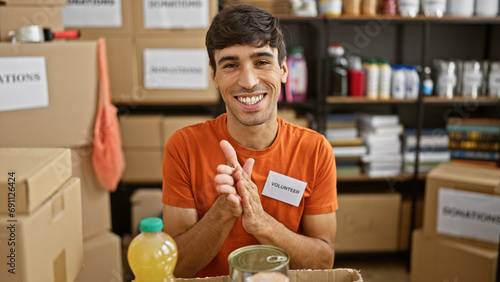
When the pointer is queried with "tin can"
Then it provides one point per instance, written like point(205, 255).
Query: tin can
point(256, 260)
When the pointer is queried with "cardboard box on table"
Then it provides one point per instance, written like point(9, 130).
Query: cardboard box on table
point(173, 69)
point(102, 258)
point(368, 222)
point(159, 21)
point(67, 121)
point(48, 240)
point(462, 203)
point(330, 275)
point(141, 141)
point(435, 259)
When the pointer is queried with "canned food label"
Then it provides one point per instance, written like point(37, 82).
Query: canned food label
point(284, 188)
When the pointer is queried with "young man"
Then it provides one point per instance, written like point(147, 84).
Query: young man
point(248, 177)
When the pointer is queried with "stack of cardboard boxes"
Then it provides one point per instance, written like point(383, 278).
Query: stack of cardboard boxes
point(67, 70)
point(40, 216)
point(461, 229)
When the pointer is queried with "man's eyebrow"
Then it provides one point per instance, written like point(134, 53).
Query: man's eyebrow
point(254, 55)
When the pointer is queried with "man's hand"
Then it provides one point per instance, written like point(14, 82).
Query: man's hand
point(235, 181)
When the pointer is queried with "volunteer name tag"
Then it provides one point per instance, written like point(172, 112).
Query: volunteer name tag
point(284, 188)
point(89, 13)
point(176, 69)
point(23, 83)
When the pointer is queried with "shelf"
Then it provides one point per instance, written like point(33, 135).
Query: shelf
point(480, 100)
point(397, 18)
point(364, 100)
point(366, 178)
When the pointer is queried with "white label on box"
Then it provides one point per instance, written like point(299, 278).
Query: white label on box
point(92, 13)
point(284, 188)
point(23, 83)
point(176, 69)
point(468, 214)
point(176, 13)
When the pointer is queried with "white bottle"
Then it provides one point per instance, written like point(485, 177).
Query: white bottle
point(372, 79)
point(412, 82)
point(487, 8)
point(398, 82)
point(385, 79)
point(460, 8)
point(409, 8)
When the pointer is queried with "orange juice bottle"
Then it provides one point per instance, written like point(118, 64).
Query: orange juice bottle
point(152, 254)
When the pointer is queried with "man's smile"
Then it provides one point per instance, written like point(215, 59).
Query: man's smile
point(250, 100)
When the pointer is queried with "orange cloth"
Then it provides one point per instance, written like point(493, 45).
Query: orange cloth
point(192, 155)
point(107, 156)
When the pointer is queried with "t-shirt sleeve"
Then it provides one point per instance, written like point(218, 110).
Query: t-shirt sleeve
point(324, 196)
point(175, 173)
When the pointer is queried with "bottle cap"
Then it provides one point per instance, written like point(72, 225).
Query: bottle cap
point(297, 49)
point(151, 224)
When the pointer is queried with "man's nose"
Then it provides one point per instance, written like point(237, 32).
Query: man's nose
point(248, 78)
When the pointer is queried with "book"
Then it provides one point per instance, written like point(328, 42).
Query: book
point(368, 120)
point(473, 135)
point(474, 145)
point(479, 128)
point(475, 155)
point(475, 120)
point(396, 129)
point(427, 157)
point(341, 133)
point(347, 151)
point(357, 141)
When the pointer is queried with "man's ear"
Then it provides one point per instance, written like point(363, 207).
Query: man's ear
point(284, 70)
point(214, 79)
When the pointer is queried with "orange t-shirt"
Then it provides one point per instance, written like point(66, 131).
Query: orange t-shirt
point(192, 155)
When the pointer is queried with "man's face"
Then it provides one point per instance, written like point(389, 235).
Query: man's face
point(249, 80)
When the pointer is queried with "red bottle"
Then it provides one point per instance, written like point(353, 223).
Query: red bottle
point(356, 77)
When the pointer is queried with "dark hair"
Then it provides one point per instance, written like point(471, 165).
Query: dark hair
point(244, 25)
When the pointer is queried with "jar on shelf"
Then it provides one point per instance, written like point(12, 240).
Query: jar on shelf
point(460, 8)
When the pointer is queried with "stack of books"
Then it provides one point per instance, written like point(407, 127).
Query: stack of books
point(433, 149)
point(348, 147)
point(382, 136)
point(474, 141)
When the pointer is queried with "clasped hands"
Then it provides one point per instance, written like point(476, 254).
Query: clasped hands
point(234, 182)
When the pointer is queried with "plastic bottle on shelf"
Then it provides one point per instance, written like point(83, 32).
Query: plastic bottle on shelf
point(152, 255)
point(330, 8)
point(296, 84)
point(389, 7)
point(369, 7)
point(412, 82)
point(351, 7)
point(337, 70)
point(434, 8)
point(460, 8)
point(487, 8)
point(385, 79)
point(409, 8)
point(427, 84)
point(398, 82)
point(472, 79)
point(372, 78)
point(447, 79)
point(356, 77)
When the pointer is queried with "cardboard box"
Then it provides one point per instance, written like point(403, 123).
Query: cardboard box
point(141, 132)
point(33, 2)
point(143, 167)
point(12, 18)
point(122, 65)
point(102, 258)
point(203, 92)
point(436, 260)
point(139, 20)
point(170, 124)
point(48, 241)
point(96, 205)
point(368, 222)
point(145, 202)
point(330, 275)
point(69, 119)
point(90, 17)
point(462, 203)
point(36, 175)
